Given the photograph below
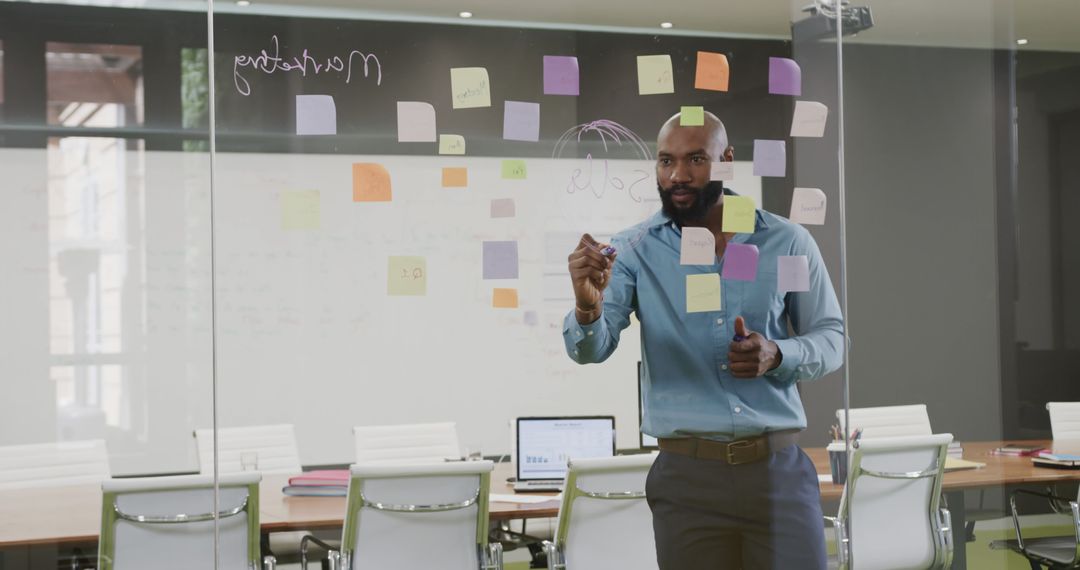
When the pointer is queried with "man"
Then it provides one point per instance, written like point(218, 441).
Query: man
point(730, 488)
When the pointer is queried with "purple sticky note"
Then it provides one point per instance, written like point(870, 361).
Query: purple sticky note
point(740, 262)
point(521, 121)
point(792, 273)
point(785, 77)
point(561, 75)
point(770, 158)
point(316, 115)
point(500, 260)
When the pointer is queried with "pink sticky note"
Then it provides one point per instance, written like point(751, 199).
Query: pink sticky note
point(785, 77)
point(792, 273)
point(503, 208)
point(561, 75)
point(521, 121)
point(770, 157)
point(740, 262)
point(415, 121)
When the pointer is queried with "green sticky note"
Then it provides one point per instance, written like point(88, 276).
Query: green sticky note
point(738, 214)
point(469, 87)
point(300, 210)
point(406, 275)
point(451, 144)
point(692, 116)
point(513, 169)
point(702, 292)
point(654, 75)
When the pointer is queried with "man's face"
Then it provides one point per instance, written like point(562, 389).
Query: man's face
point(683, 169)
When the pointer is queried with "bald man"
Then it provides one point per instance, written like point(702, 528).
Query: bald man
point(730, 488)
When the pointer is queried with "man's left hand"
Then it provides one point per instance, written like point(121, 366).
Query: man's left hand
point(753, 356)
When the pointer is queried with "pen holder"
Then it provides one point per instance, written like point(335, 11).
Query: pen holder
point(837, 465)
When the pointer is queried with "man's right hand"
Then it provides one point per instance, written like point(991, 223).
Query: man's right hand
point(590, 272)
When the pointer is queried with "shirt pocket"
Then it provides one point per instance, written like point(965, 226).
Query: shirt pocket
point(760, 303)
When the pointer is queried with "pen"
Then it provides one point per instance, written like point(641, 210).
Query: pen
point(608, 251)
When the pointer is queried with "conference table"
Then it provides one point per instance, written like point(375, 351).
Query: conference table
point(72, 515)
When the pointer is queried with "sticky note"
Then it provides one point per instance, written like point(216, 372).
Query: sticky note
point(691, 116)
point(654, 75)
point(521, 121)
point(698, 246)
point(500, 260)
point(561, 75)
point(722, 171)
point(514, 169)
point(739, 214)
point(808, 206)
point(316, 115)
point(702, 293)
point(415, 121)
point(740, 262)
point(503, 208)
point(469, 87)
point(712, 71)
point(300, 210)
point(792, 273)
point(785, 77)
point(809, 119)
point(504, 298)
point(770, 157)
point(406, 275)
point(371, 183)
point(455, 177)
point(451, 144)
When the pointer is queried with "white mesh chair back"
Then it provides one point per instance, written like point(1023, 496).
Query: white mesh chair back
point(417, 516)
point(53, 464)
point(409, 443)
point(1064, 420)
point(893, 493)
point(166, 523)
point(604, 520)
point(888, 421)
point(273, 447)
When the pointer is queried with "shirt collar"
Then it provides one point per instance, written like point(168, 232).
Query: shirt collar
point(661, 219)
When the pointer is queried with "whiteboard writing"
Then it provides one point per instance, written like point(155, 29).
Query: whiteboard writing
point(302, 64)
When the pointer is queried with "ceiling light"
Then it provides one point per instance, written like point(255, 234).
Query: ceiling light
point(465, 14)
point(243, 3)
point(665, 25)
point(1021, 42)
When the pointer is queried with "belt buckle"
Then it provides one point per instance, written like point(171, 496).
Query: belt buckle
point(734, 447)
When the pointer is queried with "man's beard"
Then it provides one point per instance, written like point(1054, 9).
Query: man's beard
point(704, 199)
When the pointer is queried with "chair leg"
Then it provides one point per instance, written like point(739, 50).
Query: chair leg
point(1035, 565)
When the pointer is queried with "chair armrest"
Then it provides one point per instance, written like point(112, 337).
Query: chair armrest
point(493, 558)
point(945, 528)
point(304, 542)
point(841, 540)
point(269, 563)
point(554, 556)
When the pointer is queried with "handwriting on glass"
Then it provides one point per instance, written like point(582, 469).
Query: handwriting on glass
point(584, 181)
point(417, 273)
point(302, 64)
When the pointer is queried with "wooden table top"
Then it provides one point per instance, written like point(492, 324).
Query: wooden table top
point(73, 514)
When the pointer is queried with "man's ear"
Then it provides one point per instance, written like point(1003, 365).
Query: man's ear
point(729, 154)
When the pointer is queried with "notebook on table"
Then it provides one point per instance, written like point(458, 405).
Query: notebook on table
point(544, 445)
point(324, 483)
point(1059, 460)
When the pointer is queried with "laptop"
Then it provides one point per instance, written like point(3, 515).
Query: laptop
point(544, 445)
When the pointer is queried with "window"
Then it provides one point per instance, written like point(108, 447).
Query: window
point(94, 85)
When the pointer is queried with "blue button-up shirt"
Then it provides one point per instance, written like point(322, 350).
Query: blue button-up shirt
point(687, 388)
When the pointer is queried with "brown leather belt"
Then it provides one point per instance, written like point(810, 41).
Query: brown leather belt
point(738, 452)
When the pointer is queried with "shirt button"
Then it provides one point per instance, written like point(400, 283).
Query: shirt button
point(723, 367)
point(738, 410)
point(719, 321)
point(590, 333)
point(575, 353)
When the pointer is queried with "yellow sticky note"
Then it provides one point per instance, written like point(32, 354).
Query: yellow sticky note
point(300, 210)
point(513, 169)
point(712, 71)
point(371, 183)
point(692, 116)
point(654, 75)
point(406, 275)
point(702, 292)
point(455, 177)
point(739, 214)
point(469, 87)
point(504, 298)
point(451, 144)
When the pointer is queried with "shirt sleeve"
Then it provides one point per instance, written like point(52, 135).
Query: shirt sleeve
point(817, 347)
point(596, 341)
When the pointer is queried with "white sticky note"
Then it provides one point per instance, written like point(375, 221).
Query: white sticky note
point(809, 119)
point(451, 144)
point(316, 115)
point(503, 208)
point(698, 247)
point(655, 75)
point(703, 293)
point(722, 171)
point(792, 273)
point(415, 121)
point(469, 87)
point(808, 206)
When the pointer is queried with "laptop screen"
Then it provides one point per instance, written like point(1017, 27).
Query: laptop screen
point(544, 445)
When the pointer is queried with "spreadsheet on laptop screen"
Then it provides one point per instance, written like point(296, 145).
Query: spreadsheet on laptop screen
point(545, 445)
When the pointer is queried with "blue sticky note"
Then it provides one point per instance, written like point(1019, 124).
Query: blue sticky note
point(316, 115)
point(521, 121)
point(500, 260)
point(770, 158)
point(561, 75)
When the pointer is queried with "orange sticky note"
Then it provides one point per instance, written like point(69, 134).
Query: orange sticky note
point(370, 183)
point(455, 177)
point(504, 299)
point(712, 71)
